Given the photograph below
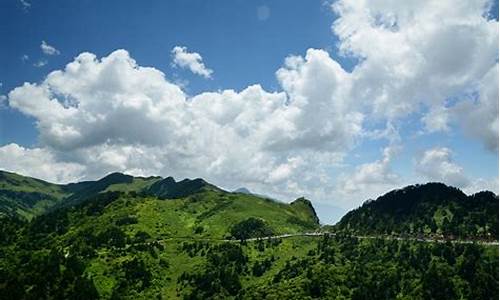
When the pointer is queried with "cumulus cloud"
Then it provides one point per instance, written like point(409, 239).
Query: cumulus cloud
point(420, 53)
point(437, 119)
point(48, 49)
point(479, 115)
point(38, 162)
point(111, 114)
point(190, 60)
point(40, 63)
point(436, 164)
point(369, 180)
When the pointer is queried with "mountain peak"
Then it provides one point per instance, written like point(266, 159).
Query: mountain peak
point(117, 177)
point(169, 188)
point(302, 201)
point(431, 208)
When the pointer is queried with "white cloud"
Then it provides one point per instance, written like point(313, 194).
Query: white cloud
point(26, 5)
point(25, 58)
point(420, 53)
point(48, 49)
point(38, 162)
point(437, 119)
point(190, 60)
point(479, 117)
point(370, 180)
point(482, 184)
point(319, 89)
point(40, 63)
point(110, 114)
point(436, 164)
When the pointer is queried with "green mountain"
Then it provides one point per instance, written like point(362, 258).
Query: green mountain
point(124, 237)
point(25, 197)
point(432, 209)
point(199, 203)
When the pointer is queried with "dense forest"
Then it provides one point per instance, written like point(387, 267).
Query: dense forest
point(125, 237)
point(432, 209)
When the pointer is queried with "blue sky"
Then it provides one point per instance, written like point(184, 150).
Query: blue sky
point(246, 43)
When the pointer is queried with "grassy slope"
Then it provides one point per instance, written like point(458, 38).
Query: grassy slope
point(173, 221)
point(25, 197)
point(214, 211)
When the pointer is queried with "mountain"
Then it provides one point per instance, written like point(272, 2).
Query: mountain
point(242, 190)
point(428, 209)
point(124, 237)
point(25, 197)
point(168, 188)
point(112, 182)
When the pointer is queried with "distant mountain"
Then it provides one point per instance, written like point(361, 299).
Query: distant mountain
point(168, 188)
point(429, 209)
point(242, 190)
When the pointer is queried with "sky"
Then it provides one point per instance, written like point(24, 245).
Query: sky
point(338, 101)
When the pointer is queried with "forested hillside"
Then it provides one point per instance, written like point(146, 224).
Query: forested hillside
point(125, 237)
point(432, 209)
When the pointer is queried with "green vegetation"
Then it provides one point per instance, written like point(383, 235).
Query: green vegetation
point(125, 237)
point(250, 228)
point(433, 209)
point(24, 197)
